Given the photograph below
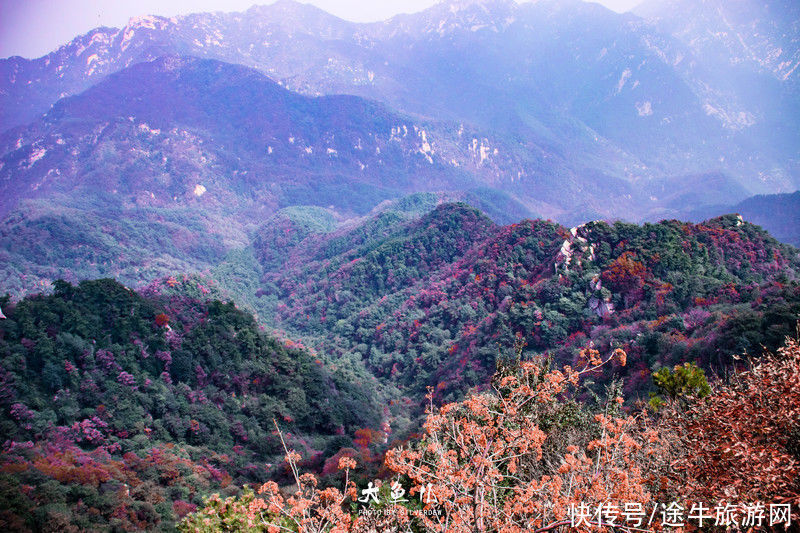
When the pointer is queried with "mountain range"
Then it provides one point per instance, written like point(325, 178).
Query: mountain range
point(228, 235)
point(128, 408)
point(573, 110)
point(777, 213)
point(438, 298)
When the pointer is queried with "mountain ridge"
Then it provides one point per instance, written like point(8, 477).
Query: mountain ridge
point(536, 283)
point(626, 135)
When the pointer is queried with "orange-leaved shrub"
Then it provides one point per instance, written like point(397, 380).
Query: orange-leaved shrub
point(308, 509)
point(490, 464)
point(516, 458)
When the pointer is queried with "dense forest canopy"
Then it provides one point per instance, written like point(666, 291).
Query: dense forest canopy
point(170, 395)
point(475, 268)
point(128, 408)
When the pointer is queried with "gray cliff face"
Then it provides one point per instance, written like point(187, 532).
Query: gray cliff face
point(759, 35)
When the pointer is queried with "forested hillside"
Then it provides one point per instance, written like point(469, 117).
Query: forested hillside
point(125, 409)
point(436, 300)
point(502, 259)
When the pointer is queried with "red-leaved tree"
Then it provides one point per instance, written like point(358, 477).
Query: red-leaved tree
point(742, 443)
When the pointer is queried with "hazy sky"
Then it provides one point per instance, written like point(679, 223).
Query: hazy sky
point(32, 28)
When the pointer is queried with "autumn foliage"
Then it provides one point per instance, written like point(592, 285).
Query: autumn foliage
point(520, 457)
point(309, 509)
point(625, 274)
point(491, 466)
point(162, 320)
point(742, 443)
point(124, 410)
point(511, 459)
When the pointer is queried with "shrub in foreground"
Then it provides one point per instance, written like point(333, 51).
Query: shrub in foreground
point(519, 457)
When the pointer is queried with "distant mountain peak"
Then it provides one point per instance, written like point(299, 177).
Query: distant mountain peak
point(450, 16)
point(486, 4)
point(152, 22)
point(290, 7)
point(569, 97)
